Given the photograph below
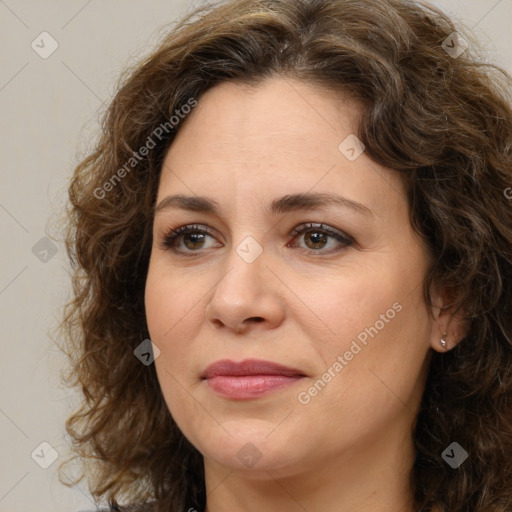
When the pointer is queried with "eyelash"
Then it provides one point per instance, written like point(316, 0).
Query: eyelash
point(168, 242)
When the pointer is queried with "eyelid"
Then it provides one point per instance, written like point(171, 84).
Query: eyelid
point(171, 235)
point(342, 238)
point(320, 226)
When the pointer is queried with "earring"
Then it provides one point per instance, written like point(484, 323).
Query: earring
point(443, 341)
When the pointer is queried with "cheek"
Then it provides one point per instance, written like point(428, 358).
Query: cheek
point(172, 316)
point(346, 306)
point(159, 303)
point(378, 323)
point(173, 313)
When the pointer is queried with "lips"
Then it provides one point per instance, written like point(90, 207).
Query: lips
point(225, 367)
point(250, 378)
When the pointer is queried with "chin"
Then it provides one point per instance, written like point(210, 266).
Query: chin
point(254, 447)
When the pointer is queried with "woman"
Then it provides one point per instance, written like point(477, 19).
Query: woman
point(303, 205)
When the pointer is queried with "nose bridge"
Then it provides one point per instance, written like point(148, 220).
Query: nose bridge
point(244, 268)
point(243, 292)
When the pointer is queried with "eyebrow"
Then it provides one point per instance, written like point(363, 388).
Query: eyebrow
point(284, 204)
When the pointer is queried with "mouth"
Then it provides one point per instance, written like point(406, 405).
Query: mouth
point(250, 378)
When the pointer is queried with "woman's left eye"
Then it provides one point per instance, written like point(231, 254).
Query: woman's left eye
point(316, 238)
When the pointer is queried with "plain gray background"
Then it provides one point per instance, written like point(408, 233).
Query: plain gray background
point(49, 114)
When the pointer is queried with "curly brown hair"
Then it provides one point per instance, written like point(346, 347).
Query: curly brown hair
point(443, 121)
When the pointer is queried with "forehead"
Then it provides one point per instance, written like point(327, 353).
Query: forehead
point(234, 119)
point(282, 136)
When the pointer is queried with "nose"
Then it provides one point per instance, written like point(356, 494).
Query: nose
point(246, 296)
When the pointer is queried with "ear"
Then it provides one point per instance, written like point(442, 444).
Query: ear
point(448, 325)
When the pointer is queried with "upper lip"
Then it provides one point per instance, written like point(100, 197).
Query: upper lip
point(226, 367)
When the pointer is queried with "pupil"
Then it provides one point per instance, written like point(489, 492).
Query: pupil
point(192, 236)
point(317, 238)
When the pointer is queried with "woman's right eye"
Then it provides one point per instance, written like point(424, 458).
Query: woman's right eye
point(193, 237)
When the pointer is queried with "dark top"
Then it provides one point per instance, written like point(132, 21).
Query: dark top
point(146, 507)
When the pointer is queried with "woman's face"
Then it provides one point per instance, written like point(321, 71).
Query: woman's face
point(257, 278)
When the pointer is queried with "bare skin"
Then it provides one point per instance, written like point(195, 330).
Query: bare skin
point(302, 302)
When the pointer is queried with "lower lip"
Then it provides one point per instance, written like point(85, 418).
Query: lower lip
point(249, 386)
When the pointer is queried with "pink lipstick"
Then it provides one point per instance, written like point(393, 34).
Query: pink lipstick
point(250, 378)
